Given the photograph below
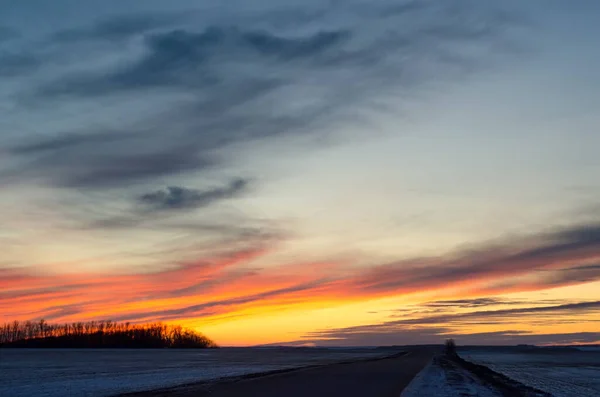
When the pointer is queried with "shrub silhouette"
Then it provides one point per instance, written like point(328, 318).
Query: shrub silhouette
point(450, 347)
point(100, 334)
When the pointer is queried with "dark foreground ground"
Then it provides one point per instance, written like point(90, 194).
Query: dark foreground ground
point(374, 378)
point(109, 372)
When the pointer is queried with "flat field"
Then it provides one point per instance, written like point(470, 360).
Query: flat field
point(106, 372)
point(562, 372)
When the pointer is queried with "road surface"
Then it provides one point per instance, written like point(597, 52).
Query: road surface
point(375, 378)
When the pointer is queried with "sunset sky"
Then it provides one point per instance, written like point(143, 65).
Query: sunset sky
point(333, 172)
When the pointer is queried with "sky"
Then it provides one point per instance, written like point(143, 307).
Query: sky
point(304, 172)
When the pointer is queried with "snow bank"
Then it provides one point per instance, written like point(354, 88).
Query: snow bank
point(446, 380)
point(566, 374)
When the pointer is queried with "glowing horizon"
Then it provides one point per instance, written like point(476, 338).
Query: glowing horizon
point(216, 294)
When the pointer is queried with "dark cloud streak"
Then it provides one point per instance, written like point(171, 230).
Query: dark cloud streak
point(470, 303)
point(239, 80)
point(578, 243)
point(176, 197)
point(106, 159)
point(433, 329)
point(187, 59)
point(16, 63)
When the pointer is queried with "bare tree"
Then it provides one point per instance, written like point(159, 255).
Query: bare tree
point(100, 334)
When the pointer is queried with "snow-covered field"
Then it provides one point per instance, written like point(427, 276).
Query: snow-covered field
point(568, 373)
point(73, 372)
point(437, 380)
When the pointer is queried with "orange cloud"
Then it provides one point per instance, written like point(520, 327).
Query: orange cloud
point(233, 284)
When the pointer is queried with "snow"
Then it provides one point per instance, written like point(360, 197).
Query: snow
point(564, 374)
point(443, 381)
point(67, 372)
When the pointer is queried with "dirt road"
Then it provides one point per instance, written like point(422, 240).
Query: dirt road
point(376, 378)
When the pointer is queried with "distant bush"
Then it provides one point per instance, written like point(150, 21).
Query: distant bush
point(100, 334)
point(450, 347)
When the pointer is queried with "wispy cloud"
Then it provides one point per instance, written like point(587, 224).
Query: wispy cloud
point(86, 294)
point(471, 303)
point(296, 284)
point(434, 335)
point(552, 252)
point(13, 63)
point(432, 329)
point(176, 197)
point(189, 60)
point(120, 27)
point(213, 69)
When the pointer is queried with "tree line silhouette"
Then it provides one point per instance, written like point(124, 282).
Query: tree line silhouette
point(100, 334)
